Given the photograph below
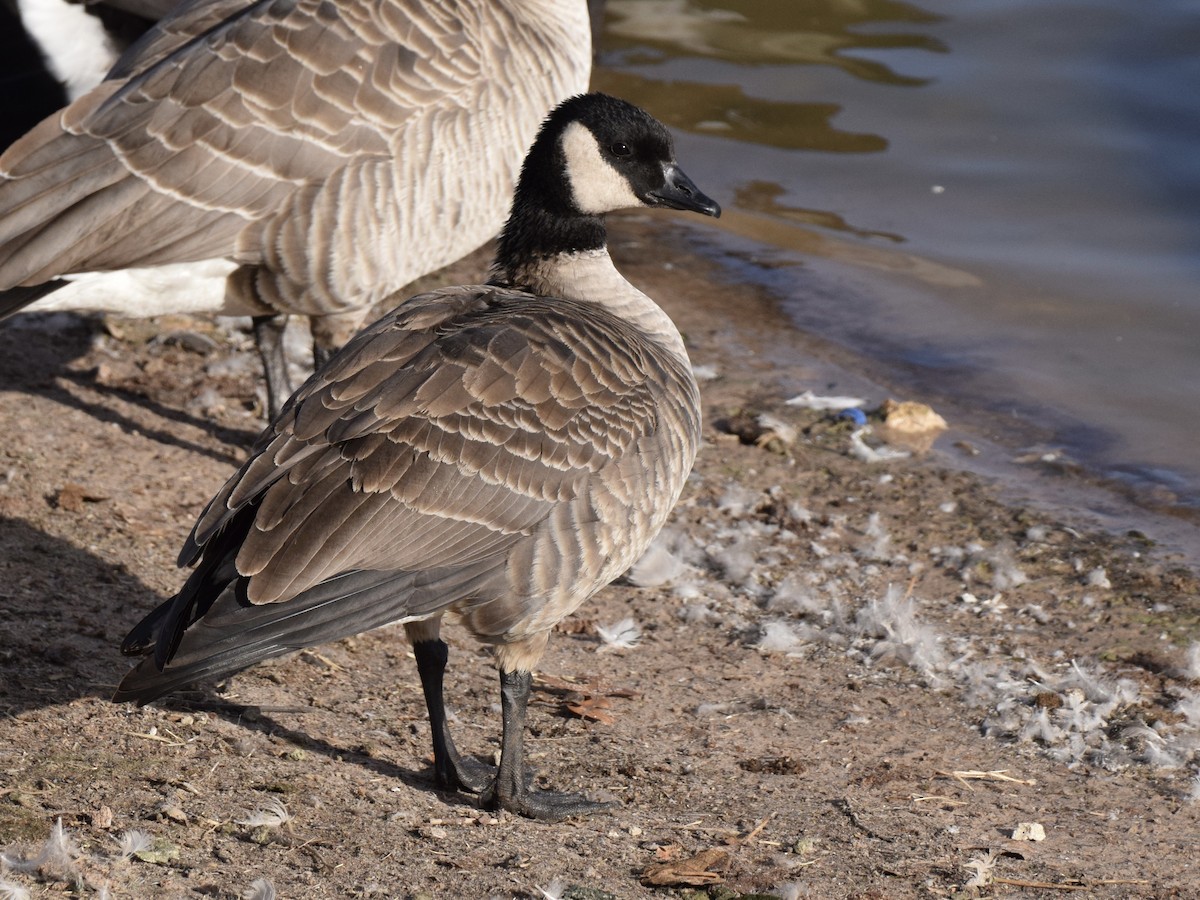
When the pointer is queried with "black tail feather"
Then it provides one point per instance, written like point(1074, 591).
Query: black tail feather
point(15, 299)
point(234, 633)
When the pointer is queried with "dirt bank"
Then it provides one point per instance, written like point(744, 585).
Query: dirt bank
point(855, 679)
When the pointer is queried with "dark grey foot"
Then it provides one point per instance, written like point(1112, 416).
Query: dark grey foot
point(462, 773)
point(465, 773)
point(549, 806)
point(511, 790)
point(451, 770)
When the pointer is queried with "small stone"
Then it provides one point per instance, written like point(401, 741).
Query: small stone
point(159, 853)
point(1048, 700)
point(1029, 831)
point(175, 814)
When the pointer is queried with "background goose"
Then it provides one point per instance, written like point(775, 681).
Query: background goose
point(502, 451)
point(323, 155)
point(53, 51)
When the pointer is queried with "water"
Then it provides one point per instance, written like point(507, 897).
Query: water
point(1008, 192)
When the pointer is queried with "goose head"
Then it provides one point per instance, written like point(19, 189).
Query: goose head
point(594, 154)
point(615, 155)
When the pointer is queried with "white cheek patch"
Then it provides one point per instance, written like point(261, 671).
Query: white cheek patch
point(596, 186)
point(77, 49)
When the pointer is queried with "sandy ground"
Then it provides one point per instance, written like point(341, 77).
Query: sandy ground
point(854, 679)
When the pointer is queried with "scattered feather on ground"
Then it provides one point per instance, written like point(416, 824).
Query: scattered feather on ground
point(273, 815)
point(260, 889)
point(624, 635)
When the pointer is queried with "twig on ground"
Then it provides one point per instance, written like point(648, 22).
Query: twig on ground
point(844, 805)
point(940, 798)
point(152, 736)
point(754, 832)
point(977, 775)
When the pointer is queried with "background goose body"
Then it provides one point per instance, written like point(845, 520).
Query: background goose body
point(331, 152)
point(488, 450)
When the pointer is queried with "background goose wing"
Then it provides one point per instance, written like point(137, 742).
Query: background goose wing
point(223, 119)
point(176, 23)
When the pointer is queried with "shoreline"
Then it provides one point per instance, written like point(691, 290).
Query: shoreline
point(1017, 453)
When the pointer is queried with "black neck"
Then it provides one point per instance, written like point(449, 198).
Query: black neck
point(544, 221)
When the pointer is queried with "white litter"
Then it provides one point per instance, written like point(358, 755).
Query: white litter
point(657, 566)
point(57, 856)
point(984, 867)
point(260, 889)
point(860, 450)
point(273, 815)
point(809, 400)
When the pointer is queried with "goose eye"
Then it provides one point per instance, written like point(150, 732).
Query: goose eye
point(620, 149)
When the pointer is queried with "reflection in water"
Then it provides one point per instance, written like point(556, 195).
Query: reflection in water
point(763, 197)
point(726, 111)
point(787, 234)
point(758, 32)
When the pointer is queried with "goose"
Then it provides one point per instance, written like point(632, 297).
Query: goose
point(311, 157)
point(51, 52)
point(499, 451)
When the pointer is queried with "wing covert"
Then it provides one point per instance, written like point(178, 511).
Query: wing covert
point(404, 454)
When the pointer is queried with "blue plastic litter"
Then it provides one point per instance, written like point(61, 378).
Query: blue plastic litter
point(857, 416)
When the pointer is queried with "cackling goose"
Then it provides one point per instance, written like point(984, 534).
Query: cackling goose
point(499, 451)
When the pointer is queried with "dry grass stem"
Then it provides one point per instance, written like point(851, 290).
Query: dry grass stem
point(977, 775)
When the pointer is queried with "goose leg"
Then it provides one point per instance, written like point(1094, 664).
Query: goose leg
point(450, 769)
point(268, 335)
point(511, 790)
point(332, 332)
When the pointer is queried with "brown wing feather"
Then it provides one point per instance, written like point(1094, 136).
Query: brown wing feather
point(510, 491)
point(221, 123)
point(405, 454)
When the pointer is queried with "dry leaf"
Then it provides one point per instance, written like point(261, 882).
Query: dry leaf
point(72, 496)
point(594, 708)
point(576, 626)
point(696, 871)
